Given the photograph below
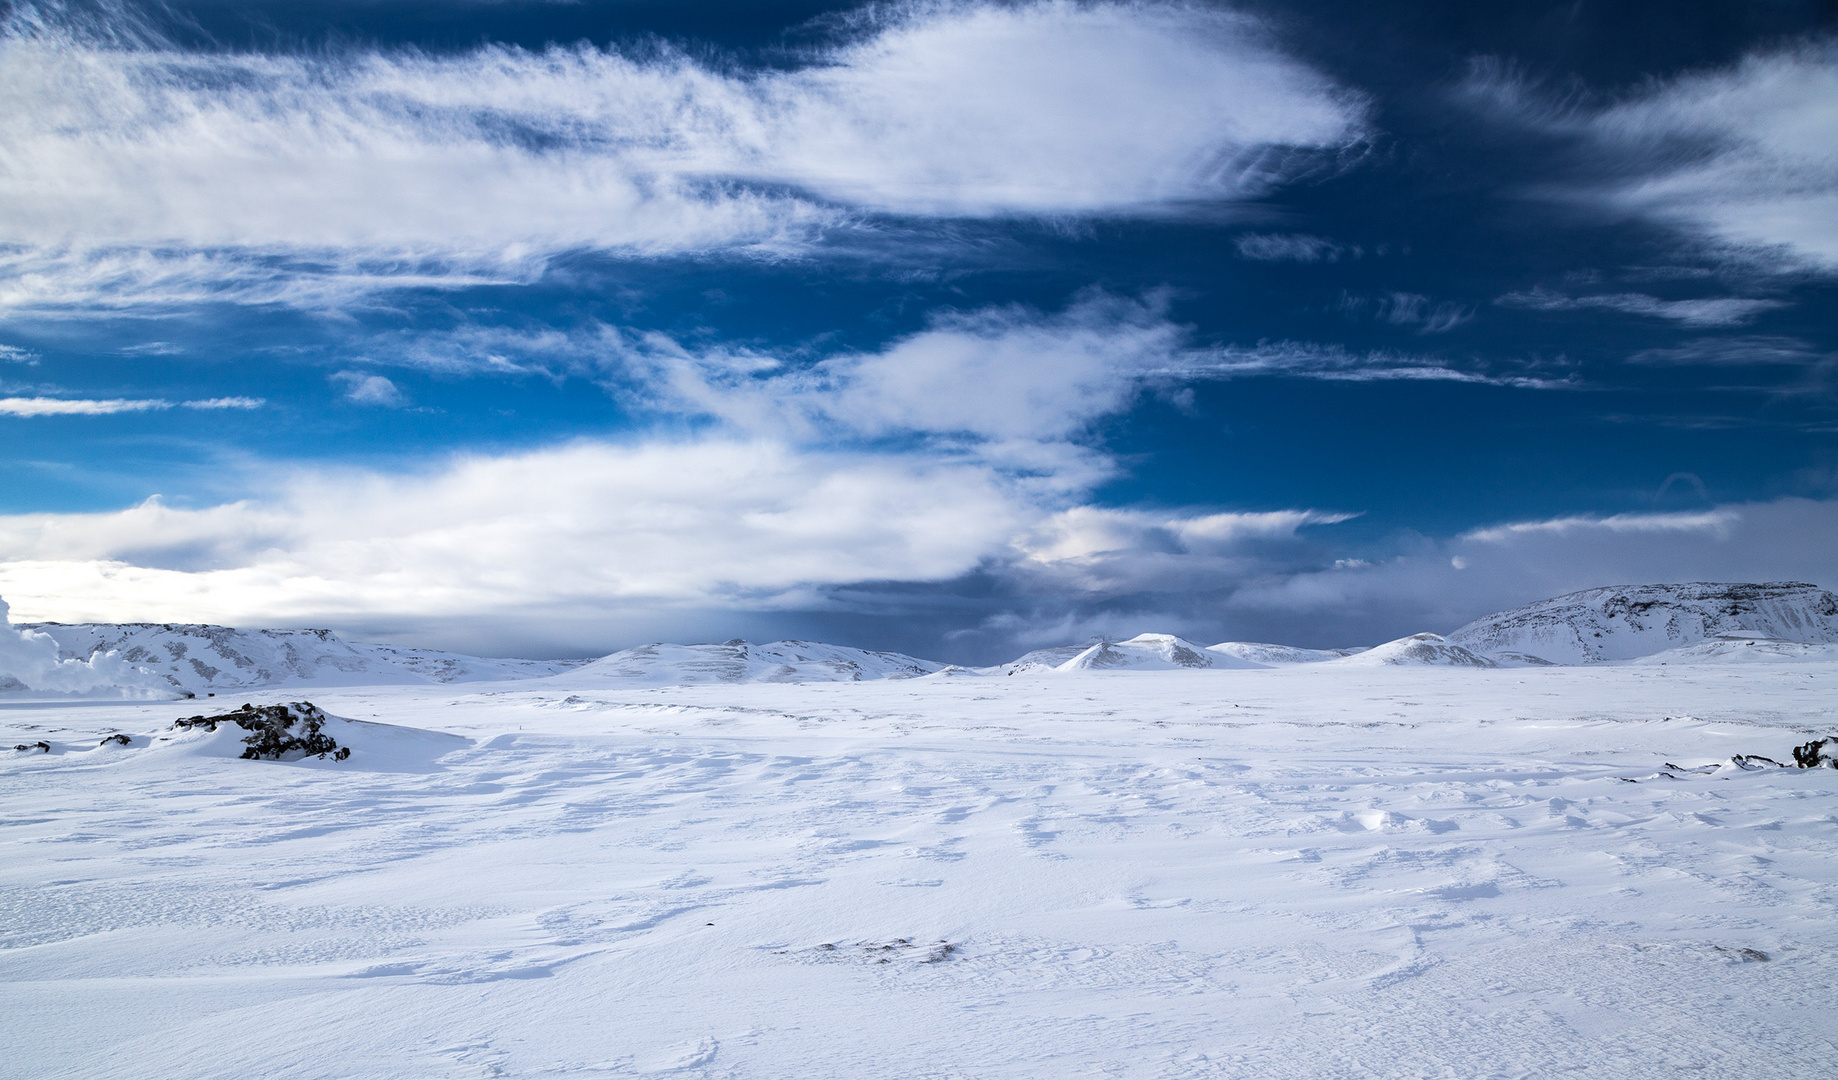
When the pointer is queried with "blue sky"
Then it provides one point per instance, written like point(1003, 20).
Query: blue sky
point(956, 328)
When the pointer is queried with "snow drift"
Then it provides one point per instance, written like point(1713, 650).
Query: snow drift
point(1630, 621)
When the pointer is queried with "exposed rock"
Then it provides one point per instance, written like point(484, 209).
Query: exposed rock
point(291, 731)
point(118, 739)
point(1817, 753)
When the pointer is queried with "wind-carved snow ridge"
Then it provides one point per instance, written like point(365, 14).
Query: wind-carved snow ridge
point(195, 658)
point(1700, 621)
point(33, 660)
point(739, 661)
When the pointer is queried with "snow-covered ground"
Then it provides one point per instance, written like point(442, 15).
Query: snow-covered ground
point(1320, 870)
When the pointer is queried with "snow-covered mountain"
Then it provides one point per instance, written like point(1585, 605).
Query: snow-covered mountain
point(201, 659)
point(1630, 621)
point(1429, 650)
point(740, 661)
point(1259, 654)
point(1147, 652)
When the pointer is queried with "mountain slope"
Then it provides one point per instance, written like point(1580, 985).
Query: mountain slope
point(203, 659)
point(1426, 650)
point(740, 661)
point(1154, 652)
point(1625, 622)
point(1260, 654)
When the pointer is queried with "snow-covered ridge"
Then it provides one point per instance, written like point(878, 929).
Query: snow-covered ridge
point(1165, 652)
point(1417, 649)
point(1627, 622)
point(740, 661)
point(198, 658)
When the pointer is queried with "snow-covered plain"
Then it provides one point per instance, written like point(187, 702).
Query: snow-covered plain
point(1319, 870)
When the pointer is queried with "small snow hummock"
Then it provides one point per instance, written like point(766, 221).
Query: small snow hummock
point(272, 731)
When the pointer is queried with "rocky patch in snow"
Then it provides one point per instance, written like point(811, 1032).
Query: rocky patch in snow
point(276, 732)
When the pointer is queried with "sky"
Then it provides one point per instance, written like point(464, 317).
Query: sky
point(959, 329)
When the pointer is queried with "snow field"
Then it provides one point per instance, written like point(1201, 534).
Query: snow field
point(1323, 871)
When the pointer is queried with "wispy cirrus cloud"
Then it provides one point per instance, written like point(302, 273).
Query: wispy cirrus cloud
point(1710, 311)
point(133, 171)
point(1292, 247)
point(50, 406)
point(1744, 157)
point(1740, 351)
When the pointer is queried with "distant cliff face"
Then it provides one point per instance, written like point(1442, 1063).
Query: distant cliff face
point(1627, 622)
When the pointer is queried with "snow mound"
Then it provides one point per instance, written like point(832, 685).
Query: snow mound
point(1429, 650)
point(1743, 650)
point(1151, 652)
point(1039, 660)
point(740, 661)
point(1263, 655)
point(1629, 621)
point(199, 659)
point(364, 745)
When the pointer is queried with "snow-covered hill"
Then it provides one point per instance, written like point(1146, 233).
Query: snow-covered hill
point(1418, 649)
point(745, 662)
point(1150, 652)
point(1259, 654)
point(1625, 622)
point(202, 659)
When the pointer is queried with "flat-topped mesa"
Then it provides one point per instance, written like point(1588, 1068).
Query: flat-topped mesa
point(1628, 622)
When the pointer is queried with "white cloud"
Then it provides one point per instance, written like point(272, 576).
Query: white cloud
point(1744, 156)
point(1711, 311)
point(1732, 352)
point(1507, 565)
point(1710, 522)
point(1291, 247)
point(226, 403)
point(367, 389)
point(143, 173)
point(1004, 373)
point(13, 354)
point(586, 527)
point(1090, 534)
point(44, 406)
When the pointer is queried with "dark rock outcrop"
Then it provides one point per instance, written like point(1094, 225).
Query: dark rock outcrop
point(294, 730)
